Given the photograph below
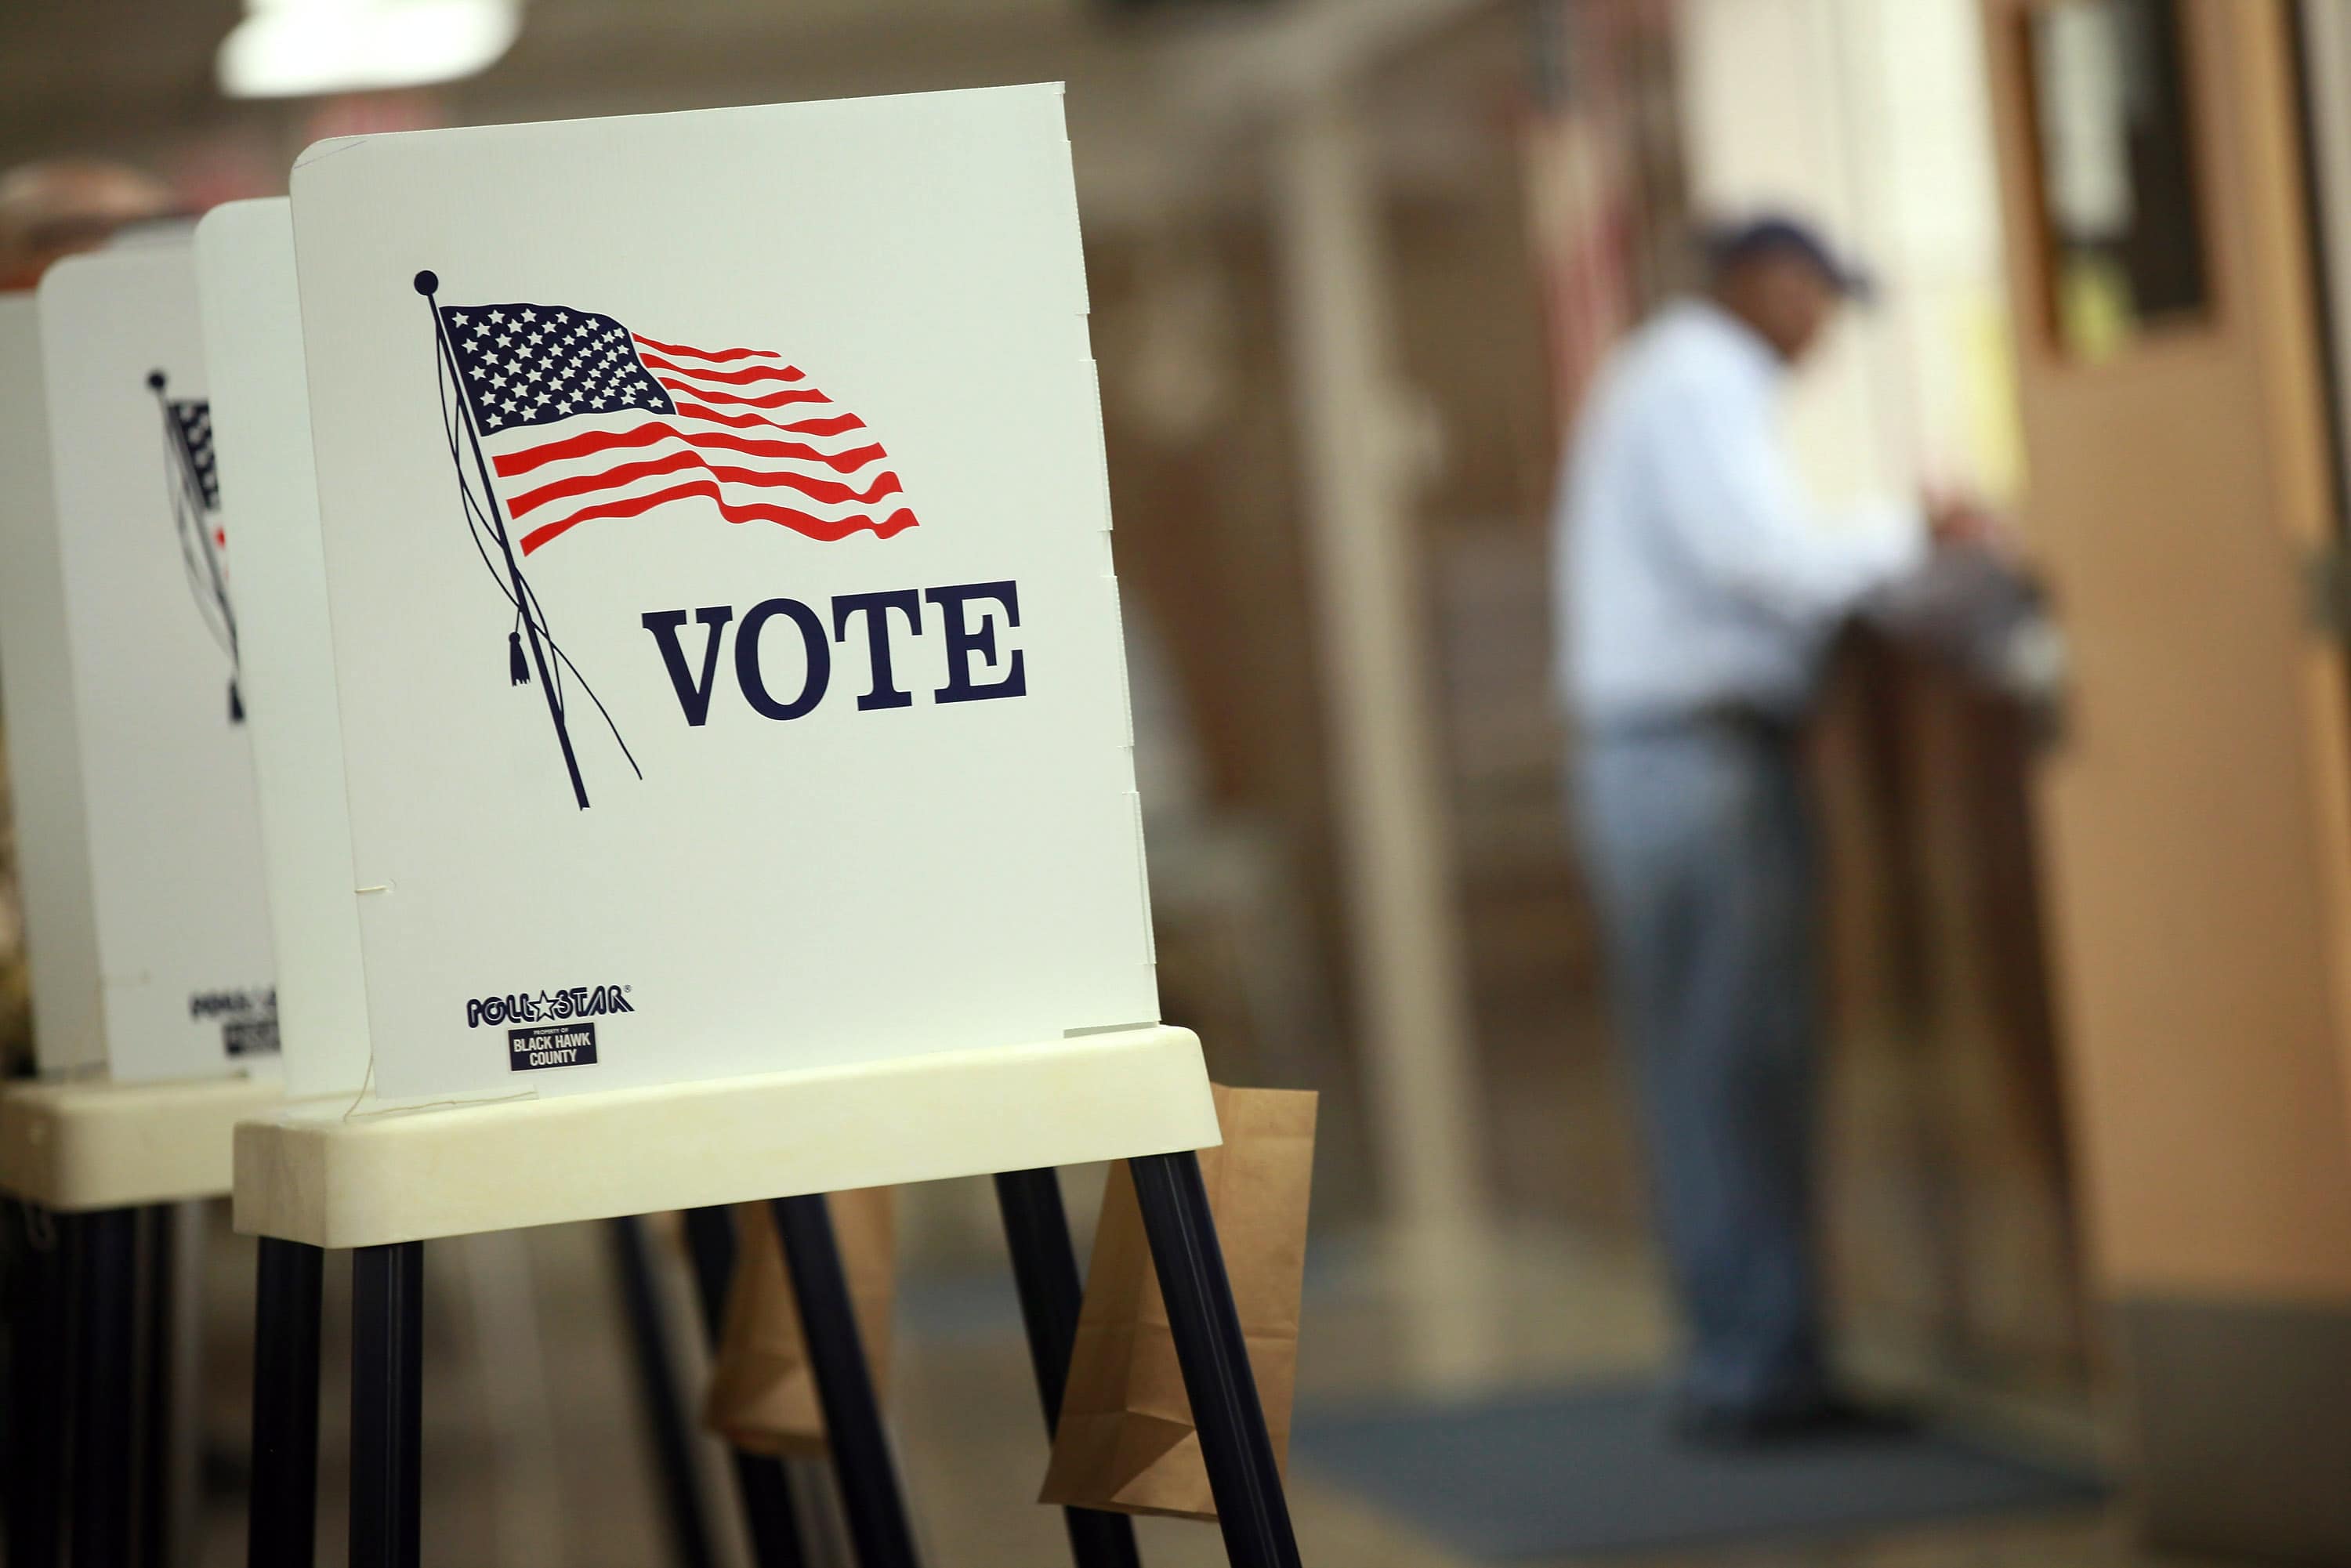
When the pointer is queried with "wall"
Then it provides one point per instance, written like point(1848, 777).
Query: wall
point(1869, 116)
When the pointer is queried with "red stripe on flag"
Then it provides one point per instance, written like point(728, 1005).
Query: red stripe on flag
point(735, 400)
point(513, 464)
point(714, 355)
point(835, 425)
point(832, 425)
point(831, 492)
point(827, 530)
point(756, 374)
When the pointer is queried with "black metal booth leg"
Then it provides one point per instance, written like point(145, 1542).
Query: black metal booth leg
point(657, 1391)
point(387, 1404)
point(1250, 1507)
point(768, 1514)
point(1045, 1268)
point(101, 1501)
point(40, 1358)
point(282, 1505)
point(845, 1386)
point(158, 1317)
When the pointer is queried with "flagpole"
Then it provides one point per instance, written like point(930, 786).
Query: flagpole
point(191, 489)
point(426, 284)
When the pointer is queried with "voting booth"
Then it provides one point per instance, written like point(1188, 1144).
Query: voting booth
point(168, 976)
point(146, 921)
point(261, 421)
point(147, 924)
point(725, 627)
point(713, 776)
point(147, 934)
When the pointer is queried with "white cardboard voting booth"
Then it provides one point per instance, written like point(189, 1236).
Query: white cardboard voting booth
point(261, 427)
point(43, 752)
point(153, 1019)
point(727, 674)
point(733, 727)
point(716, 542)
point(174, 959)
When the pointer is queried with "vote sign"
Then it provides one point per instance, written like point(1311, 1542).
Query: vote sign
point(716, 541)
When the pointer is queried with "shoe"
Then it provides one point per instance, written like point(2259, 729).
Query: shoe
point(1829, 1417)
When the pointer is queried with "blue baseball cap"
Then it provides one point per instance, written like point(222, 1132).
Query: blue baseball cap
point(1728, 245)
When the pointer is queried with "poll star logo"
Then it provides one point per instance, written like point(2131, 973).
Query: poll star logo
point(564, 1003)
point(558, 417)
point(192, 480)
point(249, 1019)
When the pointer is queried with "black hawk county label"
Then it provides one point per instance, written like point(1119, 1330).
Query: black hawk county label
point(551, 1045)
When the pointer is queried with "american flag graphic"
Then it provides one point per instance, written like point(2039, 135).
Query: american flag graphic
point(191, 478)
point(583, 420)
point(195, 418)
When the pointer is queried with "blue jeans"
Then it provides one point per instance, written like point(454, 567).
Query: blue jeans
point(1698, 846)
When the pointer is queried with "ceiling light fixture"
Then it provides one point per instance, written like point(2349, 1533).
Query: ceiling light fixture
point(288, 48)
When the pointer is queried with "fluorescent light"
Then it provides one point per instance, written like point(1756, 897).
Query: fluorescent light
point(287, 48)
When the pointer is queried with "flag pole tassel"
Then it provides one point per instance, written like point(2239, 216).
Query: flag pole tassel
point(427, 285)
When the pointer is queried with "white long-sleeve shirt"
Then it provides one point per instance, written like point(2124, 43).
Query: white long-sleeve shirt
point(1693, 571)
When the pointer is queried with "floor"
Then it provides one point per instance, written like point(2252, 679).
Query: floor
point(572, 1483)
point(535, 1452)
point(1946, 1252)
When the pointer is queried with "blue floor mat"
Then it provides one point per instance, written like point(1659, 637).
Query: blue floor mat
point(1596, 1471)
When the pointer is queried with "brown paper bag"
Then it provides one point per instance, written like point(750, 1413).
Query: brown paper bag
point(763, 1394)
point(1126, 1442)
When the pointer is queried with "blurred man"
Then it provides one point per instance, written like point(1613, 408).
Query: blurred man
point(1699, 593)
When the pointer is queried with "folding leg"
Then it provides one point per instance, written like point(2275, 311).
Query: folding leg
point(282, 1508)
point(1045, 1267)
point(845, 1386)
point(658, 1391)
point(768, 1512)
point(41, 1332)
point(387, 1404)
point(1246, 1483)
point(158, 1343)
point(101, 1492)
